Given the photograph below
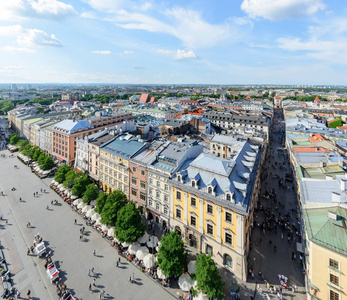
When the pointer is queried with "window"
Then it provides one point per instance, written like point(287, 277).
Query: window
point(334, 295)
point(228, 238)
point(150, 202)
point(134, 169)
point(193, 201)
point(157, 194)
point(134, 181)
point(334, 279)
point(157, 206)
point(209, 229)
point(166, 187)
point(158, 183)
point(179, 178)
point(228, 260)
point(228, 197)
point(165, 210)
point(178, 213)
point(120, 176)
point(210, 209)
point(143, 184)
point(178, 195)
point(228, 217)
point(209, 249)
point(333, 263)
point(193, 183)
point(192, 221)
point(142, 196)
point(166, 198)
point(133, 192)
point(143, 173)
point(150, 180)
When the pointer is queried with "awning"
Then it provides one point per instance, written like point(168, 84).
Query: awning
point(154, 213)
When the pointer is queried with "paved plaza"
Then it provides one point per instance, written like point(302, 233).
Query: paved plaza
point(72, 257)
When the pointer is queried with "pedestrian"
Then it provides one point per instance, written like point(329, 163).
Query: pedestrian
point(90, 286)
point(75, 222)
point(102, 294)
point(81, 237)
point(94, 252)
point(94, 282)
point(93, 271)
point(34, 194)
point(28, 294)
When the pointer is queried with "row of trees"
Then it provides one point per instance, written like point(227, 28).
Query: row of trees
point(113, 208)
point(34, 152)
point(172, 260)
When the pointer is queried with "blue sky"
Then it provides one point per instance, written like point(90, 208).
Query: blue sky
point(174, 41)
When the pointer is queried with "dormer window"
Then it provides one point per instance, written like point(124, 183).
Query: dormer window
point(228, 197)
point(210, 190)
point(179, 178)
point(193, 183)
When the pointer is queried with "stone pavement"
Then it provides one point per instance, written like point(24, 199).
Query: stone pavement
point(72, 257)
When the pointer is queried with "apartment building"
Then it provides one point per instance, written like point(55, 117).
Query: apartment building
point(114, 162)
point(212, 206)
point(224, 145)
point(167, 162)
point(138, 173)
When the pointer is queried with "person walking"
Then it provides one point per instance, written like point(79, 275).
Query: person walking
point(75, 222)
point(93, 271)
point(102, 294)
point(94, 252)
point(90, 287)
point(28, 294)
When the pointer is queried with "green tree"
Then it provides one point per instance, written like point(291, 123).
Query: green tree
point(91, 193)
point(48, 163)
point(41, 158)
point(172, 256)
point(100, 202)
point(26, 150)
point(61, 173)
point(208, 277)
point(6, 106)
point(70, 178)
point(40, 110)
point(22, 143)
point(80, 184)
point(129, 226)
point(32, 151)
point(14, 138)
point(37, 154)
point(115, 201)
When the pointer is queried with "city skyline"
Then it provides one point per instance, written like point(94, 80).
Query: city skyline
point(147, 42)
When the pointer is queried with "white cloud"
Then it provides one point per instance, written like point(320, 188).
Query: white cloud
point(104, 52)
point(18, 10)
point(105, 5)
point(29, 38)
point(182, 54)
point(128, 52)
point(276, 10)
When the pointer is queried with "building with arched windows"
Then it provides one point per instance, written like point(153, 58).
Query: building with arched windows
point(212, 205)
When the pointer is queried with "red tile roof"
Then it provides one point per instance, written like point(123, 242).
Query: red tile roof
point(316, 99)
point(144, 98)
point(317, 138)
point(310, 149)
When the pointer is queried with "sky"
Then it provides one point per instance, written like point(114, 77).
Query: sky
point(174, 41)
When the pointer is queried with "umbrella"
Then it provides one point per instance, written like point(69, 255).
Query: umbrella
point(134, 247)
point(97, 221)
point(90, 213)
point(53, 182)
point(77, 201)
point(125, 244)
point(191, 267)
point(104, 227)
point(161, 274)
point(110, 232)
point(96, 217)
point(157, 248)
point(81, 205)
point(62, 188)
point(68, 193)
point(143, 239)
point(149, 260)
point(201, 296)
point(86, 208)
point(74, 197)
point(142, 252)
point(185, 282)
point(152, 242)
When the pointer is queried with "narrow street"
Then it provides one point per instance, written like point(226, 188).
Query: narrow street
point(276, 228)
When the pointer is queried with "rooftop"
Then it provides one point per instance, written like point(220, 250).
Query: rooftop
point(69, 126)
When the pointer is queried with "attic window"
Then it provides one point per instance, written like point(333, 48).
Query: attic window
point(179, 178)
point(228, 197)
point(193, 183)
point(209, 190)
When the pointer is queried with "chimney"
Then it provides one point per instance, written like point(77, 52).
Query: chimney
point(336, 197)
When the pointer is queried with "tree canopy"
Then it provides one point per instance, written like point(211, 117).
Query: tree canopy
point(61, 173)
point(208, 277)
point(14, 138)
point(22, 143)
point(47, 163)
point(100, 202)
point(91, 193)
point(70, 178)
point(115, 201)
point(80, 185)
point(172, 256)
point(129, 226)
